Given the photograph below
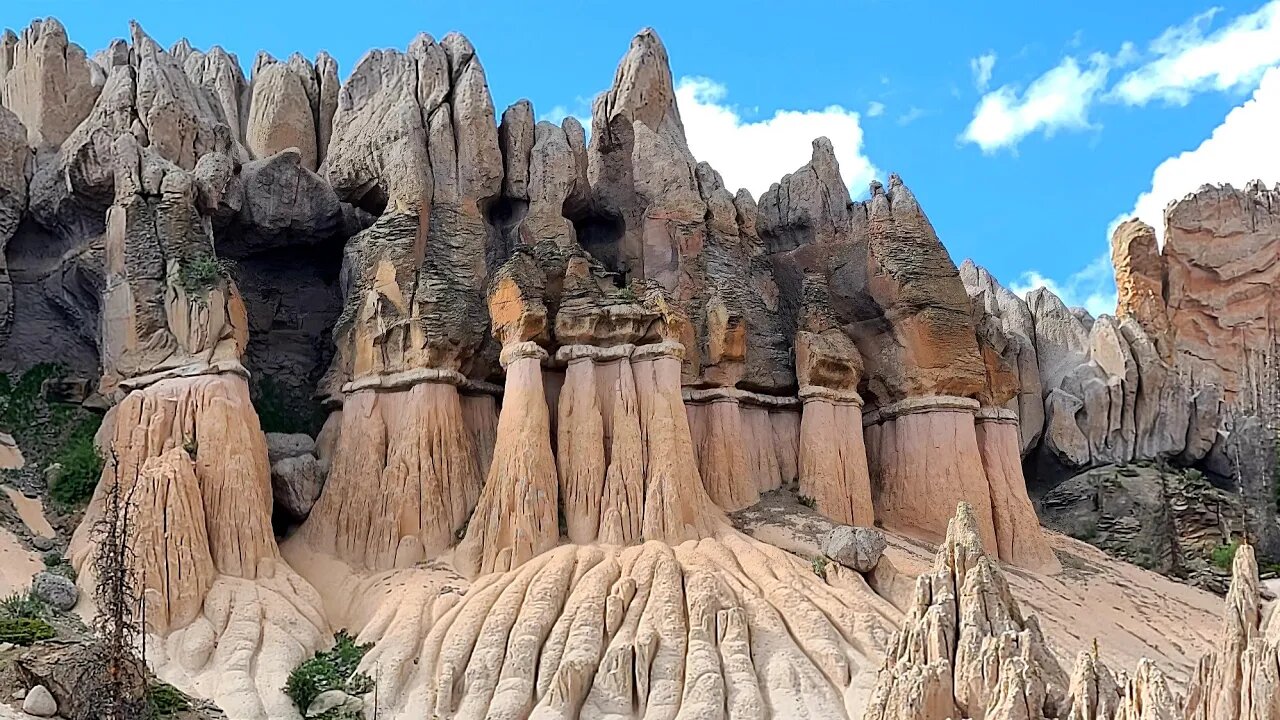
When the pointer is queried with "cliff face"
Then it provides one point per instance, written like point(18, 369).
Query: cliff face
point(539, 371)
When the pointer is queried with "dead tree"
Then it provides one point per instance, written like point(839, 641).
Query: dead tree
point(121, 693)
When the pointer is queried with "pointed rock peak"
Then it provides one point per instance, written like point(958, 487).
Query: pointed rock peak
point(876, 188)
point(47, 28)
point(141, 41)
point(460, 52)
point(182, 48)
point(643, 89)
point(903, 200)
point(1243, 614)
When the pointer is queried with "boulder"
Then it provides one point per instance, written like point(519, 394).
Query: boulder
point(857, 548)
point(39, 702)
point(296, 482)
point(289, 445)
point(281, 115)
point(60, 592)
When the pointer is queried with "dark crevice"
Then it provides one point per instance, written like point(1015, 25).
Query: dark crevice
point(600, 234)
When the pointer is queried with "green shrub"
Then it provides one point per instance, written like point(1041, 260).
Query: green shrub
point(166, 700)
point(23, 605)
point(58, 565)
point(24, 631)
point(277, 413)
point(18, 400)
point(332, 669)
point(202, 272)
point(81, 465)
point(1224, 555)
point(819, 564)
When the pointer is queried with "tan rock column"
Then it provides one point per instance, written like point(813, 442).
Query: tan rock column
point(676, 504)
point(404, 474)
point(580, 445)
point(599, 446)
point(719, 444)
point(926, 462)
point(1018, 534)
point(833, 458)
point(516, 517)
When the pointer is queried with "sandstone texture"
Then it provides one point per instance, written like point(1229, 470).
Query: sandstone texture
point(495, 396)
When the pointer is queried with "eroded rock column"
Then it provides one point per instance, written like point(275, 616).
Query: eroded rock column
point(924, 460)
point(719, 442)
point(415, 444)
point(833, 456)
point(1019, 538)
point(516, 517)
point(187, 454)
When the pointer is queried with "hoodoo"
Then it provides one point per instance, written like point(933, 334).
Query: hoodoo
point(562, 426)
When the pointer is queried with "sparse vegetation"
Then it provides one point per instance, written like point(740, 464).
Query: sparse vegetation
point(23, 605)
point(819, 564)
point(25, 631)
point(58, 565)
point(277, 414)
point(201, 273)
point(1224, 555)
point(806, 501)
point(81, 465)
point(165, 700)
point(23, 619)
point(333, 669)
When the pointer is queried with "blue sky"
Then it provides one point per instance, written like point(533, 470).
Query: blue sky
point(1026, 129)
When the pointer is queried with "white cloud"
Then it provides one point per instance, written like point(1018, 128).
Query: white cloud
point(875, 109)
point(1093, 287)
point(981, 67)
point(1241, 149)
point(911, 115)
point(1187, 60)
point(1057, 100)
point(757, 154)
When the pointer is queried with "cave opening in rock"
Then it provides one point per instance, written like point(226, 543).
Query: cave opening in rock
point(293, 297)
point(600, 234)
point(503, 216)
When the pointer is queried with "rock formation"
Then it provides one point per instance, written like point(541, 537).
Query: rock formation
point(534, 374)
point(1241, 679)
point(965, 649)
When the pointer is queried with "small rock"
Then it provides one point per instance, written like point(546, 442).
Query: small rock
point(20, 694)
point(52, 473)
point(39, 702)
point(56, 590)
point(857, 548)
point(6, 647)
point(328, 700)
point(42, 543)
point(289, 445)
point(72, 391)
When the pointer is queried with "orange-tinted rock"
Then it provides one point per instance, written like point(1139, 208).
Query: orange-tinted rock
point(925, 459)
point(1222, 267)
point(833, 460)
point(404, 476)
point(1135, 255)
point(720, 448)
point(515, 518)
point(1019, 539)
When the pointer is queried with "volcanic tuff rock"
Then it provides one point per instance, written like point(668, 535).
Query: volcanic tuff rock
point(548, 367)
